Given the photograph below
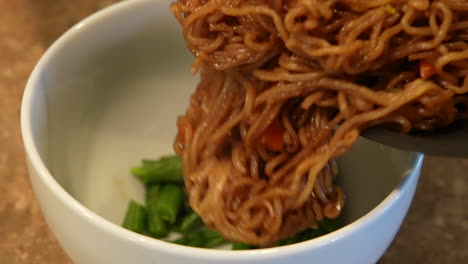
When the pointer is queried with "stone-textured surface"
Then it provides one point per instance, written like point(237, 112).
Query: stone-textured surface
point(27, 28)
point(436, 227)
point(435, 230)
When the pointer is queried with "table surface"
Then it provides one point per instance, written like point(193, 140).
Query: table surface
point(434, 231)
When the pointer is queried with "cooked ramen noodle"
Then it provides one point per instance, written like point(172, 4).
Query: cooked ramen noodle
point(286, 88)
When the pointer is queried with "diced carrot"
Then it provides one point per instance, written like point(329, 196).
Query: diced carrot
point(426, 69)
point(272, 138)
point(181, 128)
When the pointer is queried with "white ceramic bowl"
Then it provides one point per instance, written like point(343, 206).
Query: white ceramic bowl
point(107, 94)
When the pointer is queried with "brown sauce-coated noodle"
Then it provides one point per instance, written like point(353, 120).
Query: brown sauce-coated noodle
point(300, 68)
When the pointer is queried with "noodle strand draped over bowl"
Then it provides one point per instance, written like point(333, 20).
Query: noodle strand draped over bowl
point(287, 86)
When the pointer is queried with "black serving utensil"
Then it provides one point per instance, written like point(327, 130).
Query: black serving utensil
point(450, 142)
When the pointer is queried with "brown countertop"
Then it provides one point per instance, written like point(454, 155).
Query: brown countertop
point(435, 230)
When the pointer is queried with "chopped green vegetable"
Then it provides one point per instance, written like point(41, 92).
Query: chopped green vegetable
point(181, 241)
point(135, 218)
point(189, 222)
point(210, 234)
point(214, 241)
point(170, 202)
point(241, 246)
point(203, 238)
point(168, 210)
point(289, 240)
point(156, 226)
point(165, 170)
point(330, 225)
point(152, 192)
point(191, 239)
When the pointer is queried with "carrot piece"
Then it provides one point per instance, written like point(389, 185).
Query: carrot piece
point(272, 138)
point(426, 69)
point(182, 129)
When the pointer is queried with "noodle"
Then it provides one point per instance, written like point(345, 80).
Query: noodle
point(260, 138)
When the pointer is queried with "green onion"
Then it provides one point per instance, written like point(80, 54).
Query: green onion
point(168, 210)
point(135, 218)
point(165, 170)
point(156, 226)
point(203, 238)
point(189, 222)
point(194, 239)
point(309, 234)
point(330, 225)
point(289, 241)
point(196, 242)
point(241, 246)
point(152, 192)
point(214, 242)
point(181, 241)
point(213, 239)
point(170, 202)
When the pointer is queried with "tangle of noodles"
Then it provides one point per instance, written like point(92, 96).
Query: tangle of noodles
point(317, 72)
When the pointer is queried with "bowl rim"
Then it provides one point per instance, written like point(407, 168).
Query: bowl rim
point(37, 164)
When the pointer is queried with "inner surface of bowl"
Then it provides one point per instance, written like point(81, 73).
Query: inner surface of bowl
point(118, 104)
